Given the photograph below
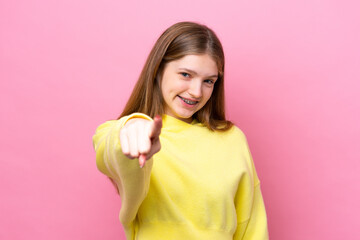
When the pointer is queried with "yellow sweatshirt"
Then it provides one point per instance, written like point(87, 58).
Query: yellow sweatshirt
point(200, 185)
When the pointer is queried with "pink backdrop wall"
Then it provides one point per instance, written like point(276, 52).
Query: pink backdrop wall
point(292, 72)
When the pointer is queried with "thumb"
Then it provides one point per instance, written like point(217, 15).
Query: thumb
point(142, 160)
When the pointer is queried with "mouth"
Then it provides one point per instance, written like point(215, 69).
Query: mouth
point(187, 101)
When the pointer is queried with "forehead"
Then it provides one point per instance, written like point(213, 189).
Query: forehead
point(202, 64)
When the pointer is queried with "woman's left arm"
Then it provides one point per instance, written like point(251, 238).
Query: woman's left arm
point(249, 203)
point(255, 227)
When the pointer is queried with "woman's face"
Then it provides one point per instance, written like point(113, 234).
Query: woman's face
point(187, 84)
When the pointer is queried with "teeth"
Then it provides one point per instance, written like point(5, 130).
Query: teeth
point(188, 101)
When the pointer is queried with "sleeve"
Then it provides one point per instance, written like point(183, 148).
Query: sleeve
point(249, 203)
point(131, 180)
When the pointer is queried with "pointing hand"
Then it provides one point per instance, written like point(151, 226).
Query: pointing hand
point(139, 138)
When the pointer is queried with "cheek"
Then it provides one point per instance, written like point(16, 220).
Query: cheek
point(177, 86)
point(171, 88)
point(208, 93)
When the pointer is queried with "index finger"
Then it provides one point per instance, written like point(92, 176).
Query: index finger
point(156, 126)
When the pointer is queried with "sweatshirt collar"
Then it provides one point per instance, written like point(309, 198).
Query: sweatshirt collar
point(174, 124)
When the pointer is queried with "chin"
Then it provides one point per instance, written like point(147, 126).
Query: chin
point(185, 115)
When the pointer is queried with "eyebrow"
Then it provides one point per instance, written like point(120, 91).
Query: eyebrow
point(195, 73)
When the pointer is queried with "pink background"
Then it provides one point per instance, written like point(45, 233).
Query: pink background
point(292, 85)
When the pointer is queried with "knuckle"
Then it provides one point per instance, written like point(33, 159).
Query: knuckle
point(143, 150)
point(134, 153)
point(128, 156)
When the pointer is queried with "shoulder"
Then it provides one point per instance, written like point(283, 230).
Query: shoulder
point(243, 146)
point(233, 137)
point(235, 133)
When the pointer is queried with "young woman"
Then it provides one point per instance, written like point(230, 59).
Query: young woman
point(194, 177)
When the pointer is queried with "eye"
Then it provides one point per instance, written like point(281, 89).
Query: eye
point(184, 74)
point(209, 81)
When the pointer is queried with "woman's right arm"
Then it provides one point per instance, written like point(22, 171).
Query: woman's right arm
point(116, 142)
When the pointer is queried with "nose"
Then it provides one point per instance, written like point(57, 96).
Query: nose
point(195, 89)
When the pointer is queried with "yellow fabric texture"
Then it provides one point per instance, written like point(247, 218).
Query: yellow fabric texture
point(200, 185)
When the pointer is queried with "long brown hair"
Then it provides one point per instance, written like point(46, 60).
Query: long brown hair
point(179, 40)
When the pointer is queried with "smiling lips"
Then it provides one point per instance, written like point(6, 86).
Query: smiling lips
point(187, 101)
